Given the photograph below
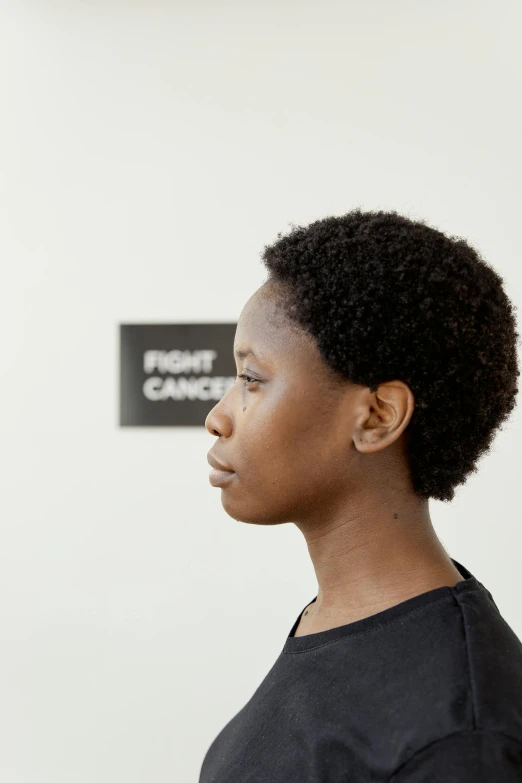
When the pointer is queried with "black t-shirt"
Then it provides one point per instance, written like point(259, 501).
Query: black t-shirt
point(426, 691)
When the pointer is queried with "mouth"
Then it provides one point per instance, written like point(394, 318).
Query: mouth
point(215, 463)
point(219, 478)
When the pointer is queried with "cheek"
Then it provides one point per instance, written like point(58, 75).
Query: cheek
point(290, 458)
point(295, 442)
point(283, 475)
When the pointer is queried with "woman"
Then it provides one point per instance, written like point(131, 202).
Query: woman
point(375, 365)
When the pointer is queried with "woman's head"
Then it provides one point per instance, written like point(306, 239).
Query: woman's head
point(389, 355)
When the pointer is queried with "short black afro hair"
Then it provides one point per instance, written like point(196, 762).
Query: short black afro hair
point(386, 298)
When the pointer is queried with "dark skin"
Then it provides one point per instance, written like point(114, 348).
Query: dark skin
point(330, 458)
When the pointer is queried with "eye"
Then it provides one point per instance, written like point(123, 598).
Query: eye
point(248, 379)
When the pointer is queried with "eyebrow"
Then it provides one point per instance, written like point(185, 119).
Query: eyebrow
point(248, 352)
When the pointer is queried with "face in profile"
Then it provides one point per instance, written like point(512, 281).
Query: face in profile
point(285, 428)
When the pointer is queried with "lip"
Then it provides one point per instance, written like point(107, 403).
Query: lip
point(219, 478)
point(214, 463)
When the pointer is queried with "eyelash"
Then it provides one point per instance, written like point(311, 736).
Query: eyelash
point(248, 379)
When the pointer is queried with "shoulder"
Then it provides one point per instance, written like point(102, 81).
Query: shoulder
point(474, 756)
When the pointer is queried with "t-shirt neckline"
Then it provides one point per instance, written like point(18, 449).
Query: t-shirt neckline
point(313, 640)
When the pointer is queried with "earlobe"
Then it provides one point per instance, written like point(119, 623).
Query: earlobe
point(375, 439)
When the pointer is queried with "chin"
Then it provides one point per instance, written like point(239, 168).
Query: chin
point(250, 516)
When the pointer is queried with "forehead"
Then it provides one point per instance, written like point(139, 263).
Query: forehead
point(264, 334)
point(260, 330)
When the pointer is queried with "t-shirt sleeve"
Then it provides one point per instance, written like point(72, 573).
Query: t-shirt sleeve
point(466, 757)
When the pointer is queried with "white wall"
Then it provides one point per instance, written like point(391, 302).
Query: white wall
point(148, 151)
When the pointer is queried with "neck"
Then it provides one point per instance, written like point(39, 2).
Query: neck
point(372, 558)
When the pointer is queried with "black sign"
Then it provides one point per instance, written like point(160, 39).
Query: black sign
point(172, 375)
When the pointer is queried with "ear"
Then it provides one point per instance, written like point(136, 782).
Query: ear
point(383, 416)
